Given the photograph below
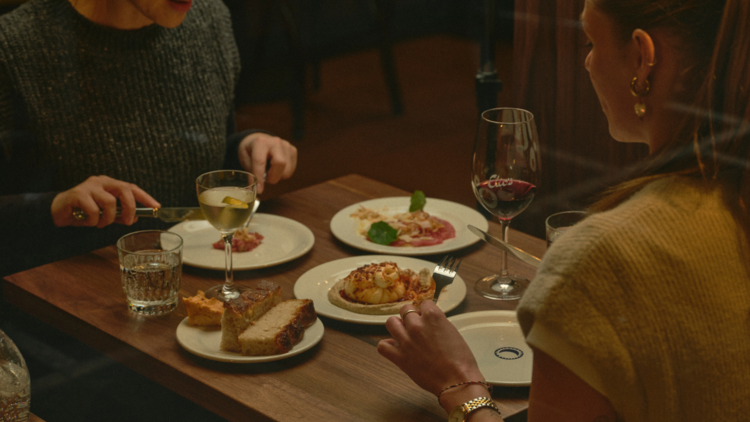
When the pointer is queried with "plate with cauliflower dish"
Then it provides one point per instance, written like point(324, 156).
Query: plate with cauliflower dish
point(404, 226)
point(369, 289)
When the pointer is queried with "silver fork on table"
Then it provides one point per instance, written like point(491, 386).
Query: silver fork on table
point(444, 274)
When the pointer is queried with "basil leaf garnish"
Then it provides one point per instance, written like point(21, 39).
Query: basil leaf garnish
point(417, 201)
point(382, 233)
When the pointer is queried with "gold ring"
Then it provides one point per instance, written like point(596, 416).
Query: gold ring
point(407, 313)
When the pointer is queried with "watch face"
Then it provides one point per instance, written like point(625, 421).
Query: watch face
point(457, 414)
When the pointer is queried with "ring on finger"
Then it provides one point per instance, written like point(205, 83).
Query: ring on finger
point(403, 317)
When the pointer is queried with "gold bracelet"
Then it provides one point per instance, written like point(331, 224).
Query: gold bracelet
point(461, 412)
point(487, 386)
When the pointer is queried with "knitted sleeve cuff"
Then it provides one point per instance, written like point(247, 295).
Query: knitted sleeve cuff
point(28, 212)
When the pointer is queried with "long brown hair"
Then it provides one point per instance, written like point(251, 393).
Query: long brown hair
point(713, 139)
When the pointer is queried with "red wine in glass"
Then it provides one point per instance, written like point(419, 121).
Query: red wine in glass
point(505, 198)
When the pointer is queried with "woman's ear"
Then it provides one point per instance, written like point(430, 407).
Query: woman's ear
point(646, 53)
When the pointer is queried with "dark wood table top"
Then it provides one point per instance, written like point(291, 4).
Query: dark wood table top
point(341, 378)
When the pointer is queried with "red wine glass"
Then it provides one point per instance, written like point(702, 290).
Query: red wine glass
point(506, 172)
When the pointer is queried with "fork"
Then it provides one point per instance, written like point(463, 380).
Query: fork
point(444, 274)
point(255, 208)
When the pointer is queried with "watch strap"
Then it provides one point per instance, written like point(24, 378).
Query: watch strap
point(478, 403)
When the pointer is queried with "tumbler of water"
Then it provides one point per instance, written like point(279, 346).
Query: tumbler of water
point(15, 383)
point(151, 270)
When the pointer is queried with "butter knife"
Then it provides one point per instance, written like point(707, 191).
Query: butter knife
point(507, 247)
point(168, 215)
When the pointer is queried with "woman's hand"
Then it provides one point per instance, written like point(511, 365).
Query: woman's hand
point(100, 193)
point(429, 348)
point(260, 148)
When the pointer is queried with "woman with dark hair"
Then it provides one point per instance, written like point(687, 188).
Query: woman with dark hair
point(642, 311)
point(113, 103)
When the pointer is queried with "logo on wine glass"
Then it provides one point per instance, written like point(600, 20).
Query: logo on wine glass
point(491, 191)
point(496, 182)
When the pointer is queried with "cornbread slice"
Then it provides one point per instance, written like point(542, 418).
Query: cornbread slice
point(241, 312)
point(203, 311)
point(279, 329)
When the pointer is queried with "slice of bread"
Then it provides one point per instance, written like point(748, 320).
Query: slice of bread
point(279, 329)
point(202, 311)
point(241, 312)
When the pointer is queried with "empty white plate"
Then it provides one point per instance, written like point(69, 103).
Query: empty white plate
point(498, 345)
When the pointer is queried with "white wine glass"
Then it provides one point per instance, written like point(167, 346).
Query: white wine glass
point(226, 198)
point(506, 173)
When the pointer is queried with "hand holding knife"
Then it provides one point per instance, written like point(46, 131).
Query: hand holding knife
point(168, 215)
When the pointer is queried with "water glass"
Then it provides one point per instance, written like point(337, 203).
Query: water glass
point(15, 383)
point(558, 223)
point(151, 270)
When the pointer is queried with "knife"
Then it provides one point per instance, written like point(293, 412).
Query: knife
point(507, 247)
point(168, 215)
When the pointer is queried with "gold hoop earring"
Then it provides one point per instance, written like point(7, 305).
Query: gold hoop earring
point(640, 107)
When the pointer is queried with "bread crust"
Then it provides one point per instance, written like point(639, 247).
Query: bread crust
point(241, 312)
point(279, 329)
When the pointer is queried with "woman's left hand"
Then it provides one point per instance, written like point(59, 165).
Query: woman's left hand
point(429, 348)
point(260, 148)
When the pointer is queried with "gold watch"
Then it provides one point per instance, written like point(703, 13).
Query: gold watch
point(461, 412)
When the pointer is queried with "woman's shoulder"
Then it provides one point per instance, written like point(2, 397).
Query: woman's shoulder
point(658, 217)
point(210, 18)
point(32, 23)
point(22, 20)
point(666, 206)
point(210, 12)
point(668, 222)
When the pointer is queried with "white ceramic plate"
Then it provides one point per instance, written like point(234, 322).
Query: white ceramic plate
point(315, 283)
point(205, 341)
point(283, 241)
point(497, 342)
point(346, 228)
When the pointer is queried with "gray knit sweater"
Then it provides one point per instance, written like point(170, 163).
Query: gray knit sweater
point(151, 106)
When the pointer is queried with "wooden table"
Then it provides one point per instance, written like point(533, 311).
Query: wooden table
point(342, 378)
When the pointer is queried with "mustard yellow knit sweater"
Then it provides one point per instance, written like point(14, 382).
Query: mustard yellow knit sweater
point(649, 303)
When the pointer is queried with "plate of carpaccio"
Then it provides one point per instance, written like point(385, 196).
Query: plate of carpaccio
point(439, 227)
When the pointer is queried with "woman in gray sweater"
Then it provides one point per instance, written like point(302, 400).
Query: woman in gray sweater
point(114, 103)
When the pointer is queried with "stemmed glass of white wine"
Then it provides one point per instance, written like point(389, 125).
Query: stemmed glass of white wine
point(226, 198)
point(506, 172)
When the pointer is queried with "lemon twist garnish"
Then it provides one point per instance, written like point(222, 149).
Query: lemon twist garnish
point(234, 202)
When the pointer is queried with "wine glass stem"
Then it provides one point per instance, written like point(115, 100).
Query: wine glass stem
point(505, 225)
point(229, 274)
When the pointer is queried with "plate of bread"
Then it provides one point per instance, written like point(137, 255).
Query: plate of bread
point(370, 289)
point(256, 327)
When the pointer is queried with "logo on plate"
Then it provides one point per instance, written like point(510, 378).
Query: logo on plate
point(508, 353)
